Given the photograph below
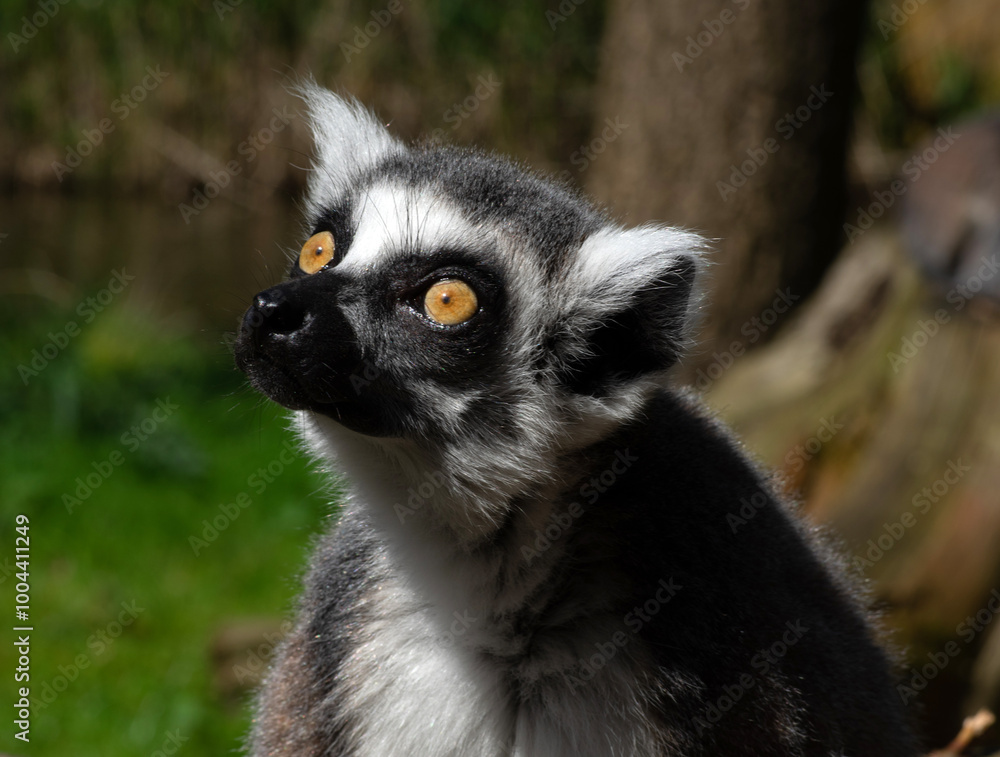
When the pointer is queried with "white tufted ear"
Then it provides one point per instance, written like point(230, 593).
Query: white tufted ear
point(633, 297)
point(614, 264)
point(348, 140)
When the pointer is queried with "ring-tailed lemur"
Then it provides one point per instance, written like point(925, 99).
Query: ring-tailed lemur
point(538, 556)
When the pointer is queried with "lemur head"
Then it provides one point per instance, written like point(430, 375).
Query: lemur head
point(461, 314)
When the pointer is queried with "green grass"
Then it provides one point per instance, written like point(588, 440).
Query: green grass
point(129, 540)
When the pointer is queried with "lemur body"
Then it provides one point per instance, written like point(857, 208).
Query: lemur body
point(535, 558)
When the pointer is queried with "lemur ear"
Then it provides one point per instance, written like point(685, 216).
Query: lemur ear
point(631, 306)
point(348, 140)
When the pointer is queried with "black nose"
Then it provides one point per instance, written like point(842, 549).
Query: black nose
point(272, 314)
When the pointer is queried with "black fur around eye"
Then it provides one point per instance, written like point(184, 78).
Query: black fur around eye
point(474, 289)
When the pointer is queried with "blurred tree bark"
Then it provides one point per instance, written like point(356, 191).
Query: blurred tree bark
point(734, 117)
point(879, 407)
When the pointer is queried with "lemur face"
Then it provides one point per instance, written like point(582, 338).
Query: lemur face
point(449, 297)
point(394, 319)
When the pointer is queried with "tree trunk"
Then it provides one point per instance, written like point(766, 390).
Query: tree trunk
point(733, 119)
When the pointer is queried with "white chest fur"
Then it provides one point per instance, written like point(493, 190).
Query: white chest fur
point(438, 670)
point(410, 692)
point(416, 687)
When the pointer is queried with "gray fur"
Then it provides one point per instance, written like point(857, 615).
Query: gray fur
point(536, 558)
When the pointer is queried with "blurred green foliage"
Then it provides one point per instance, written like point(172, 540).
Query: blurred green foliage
point(189, 437)
point(227, 61)
point(917, 74)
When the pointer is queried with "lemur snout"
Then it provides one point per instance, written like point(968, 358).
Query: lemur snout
point(295, 344)
point(272, 315)
point(285, 320)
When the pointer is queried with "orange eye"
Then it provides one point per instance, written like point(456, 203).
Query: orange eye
point(451, 302)
point(317, 252)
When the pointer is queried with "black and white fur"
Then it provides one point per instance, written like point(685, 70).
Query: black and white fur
point(535, 557)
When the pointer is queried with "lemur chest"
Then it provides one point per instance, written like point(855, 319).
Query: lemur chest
point(438, 684)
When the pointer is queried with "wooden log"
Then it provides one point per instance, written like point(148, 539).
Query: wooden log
point(880, 406)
